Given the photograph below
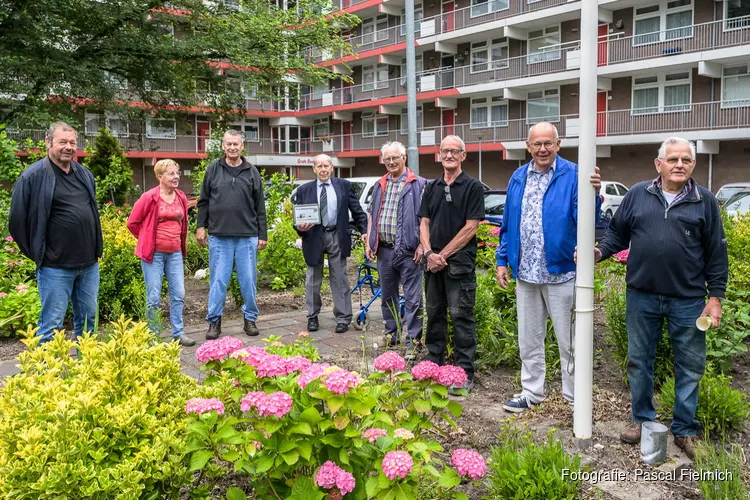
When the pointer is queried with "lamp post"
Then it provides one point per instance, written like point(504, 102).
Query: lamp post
point(480, 136)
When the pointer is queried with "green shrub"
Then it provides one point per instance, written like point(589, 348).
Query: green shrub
point(281, 265)
point(108, 425)
point(111, 169)
point(727, 343)
point(737, 232)
point(19, 298)
point(720, 408)
point(728, 459)
point(519, 468)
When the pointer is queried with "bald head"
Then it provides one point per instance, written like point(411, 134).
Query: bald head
point(540, 127)
point(543, 144)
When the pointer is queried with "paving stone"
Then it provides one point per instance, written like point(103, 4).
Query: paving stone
point(8, 367)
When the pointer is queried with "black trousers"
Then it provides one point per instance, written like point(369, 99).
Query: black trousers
point(455, 289)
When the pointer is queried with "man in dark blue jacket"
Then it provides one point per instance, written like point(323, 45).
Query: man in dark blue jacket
point(55, 221)
point(678, 257)
point(336, 199)
point(537, 240)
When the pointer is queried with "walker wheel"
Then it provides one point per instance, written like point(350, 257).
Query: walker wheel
point(361, 321)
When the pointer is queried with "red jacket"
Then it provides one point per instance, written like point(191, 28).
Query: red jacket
point(143, 219)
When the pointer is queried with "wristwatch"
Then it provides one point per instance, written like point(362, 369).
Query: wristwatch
point(428, 253)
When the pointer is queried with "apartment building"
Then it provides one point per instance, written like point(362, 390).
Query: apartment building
point(486, 71)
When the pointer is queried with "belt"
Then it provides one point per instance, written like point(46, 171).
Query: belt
point(329, 229)
point(385, 244)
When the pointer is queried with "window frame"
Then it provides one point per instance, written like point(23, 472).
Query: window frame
point(476, 3)
point(247, 122)
point(149, 133)
point(376, 84)
point(320, 122)
point(404, 119)
point(662, 13)
point(488, 103)
point(551, 119)
point(734, 104)
point(418, 18)
point(488, 46)
point(557, 54)
point(742, 25)
point(661, 84)
point(373, 119)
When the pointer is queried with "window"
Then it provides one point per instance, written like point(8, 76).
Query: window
point(116, 124)
point(489, 55)
point(248, 129)
point(92, 123)
point(418, 16)
point(319, 89)
point(622, 189)
point(661, 93)
point(320, 128)
point(375, 77)
point(405, 120)
point(544, 45)
point(665, 21)
point(250, 90)
point(374, 125)
point(482, 7)
point(736, 14)
point(543, 105)
point(374, 30)
point(161, 128)
point(735, 86)
point(418, 62)
point(489, 112)
point(116, 80)
point(291, 139)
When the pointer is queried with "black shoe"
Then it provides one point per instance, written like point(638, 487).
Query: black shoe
point(342, 327)
point(250, 328)
point(312, 324)
point(184, 341)
point(214, 330)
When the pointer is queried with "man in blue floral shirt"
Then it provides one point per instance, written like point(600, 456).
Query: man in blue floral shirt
point(537, 240)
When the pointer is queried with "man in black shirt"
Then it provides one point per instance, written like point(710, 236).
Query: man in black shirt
point(64, 240)
point(452, 207)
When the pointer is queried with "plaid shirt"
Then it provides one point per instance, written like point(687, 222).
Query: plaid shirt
point(388, 221)
point(685, 190)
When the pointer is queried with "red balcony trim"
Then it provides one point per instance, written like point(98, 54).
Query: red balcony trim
point(423, 96)
point(368, 53)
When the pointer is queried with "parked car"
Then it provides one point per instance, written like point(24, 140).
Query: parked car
point(738, 204)
point(494, 204)
point(612, 193)
point(728, 190)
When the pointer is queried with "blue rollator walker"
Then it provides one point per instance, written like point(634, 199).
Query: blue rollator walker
point(365, 277)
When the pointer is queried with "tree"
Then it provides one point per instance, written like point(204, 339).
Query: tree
point(111, 169)
point(141, 54)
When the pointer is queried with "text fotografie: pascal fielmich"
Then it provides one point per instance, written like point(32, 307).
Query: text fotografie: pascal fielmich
point(619, 475)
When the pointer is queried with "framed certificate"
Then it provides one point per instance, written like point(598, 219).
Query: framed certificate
point(306, 214)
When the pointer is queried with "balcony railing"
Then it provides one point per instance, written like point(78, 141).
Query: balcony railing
point(616, 49)
point(697, 116)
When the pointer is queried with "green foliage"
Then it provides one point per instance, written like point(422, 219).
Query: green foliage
point(302, 346)
point(487, 241)
point(121, 286)
point(720, 408)
point(730, 458)
point(282, 265)
point(727, 343)
point(197, 256)
point(108, 425)
point(111, 169)
point(737, 232)
point(522, 469)
point(19, 299)
point(277, 189)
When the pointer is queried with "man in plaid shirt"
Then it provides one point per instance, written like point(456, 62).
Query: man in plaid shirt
point(393, 237)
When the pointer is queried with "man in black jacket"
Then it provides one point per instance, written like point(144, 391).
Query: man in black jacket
point(231, 206)
point(678, 256)
point(336, 198)
point(55, 221)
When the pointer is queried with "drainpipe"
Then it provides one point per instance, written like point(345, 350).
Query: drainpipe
point(710, 170)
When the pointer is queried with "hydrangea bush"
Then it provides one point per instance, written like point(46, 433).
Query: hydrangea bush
point(301, 430)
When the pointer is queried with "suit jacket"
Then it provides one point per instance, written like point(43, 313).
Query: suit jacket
point(312, 240)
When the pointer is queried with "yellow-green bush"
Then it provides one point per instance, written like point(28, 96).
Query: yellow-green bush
point(108, 425)
point(737, 231)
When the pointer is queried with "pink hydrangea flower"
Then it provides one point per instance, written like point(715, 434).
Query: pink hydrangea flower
point(403, 433)
point(216, 350)
point(331, 475)
point(297, 364)
point(425, 370)
point(622, 256)
point(201, 406)
point(3, 294)
point(397, 464)
point(390, 361)
point(469, 463)
point(340, 381)
point(272, 366)
point(312, 372)
point(277, 404)
point(22, 288)
point(495, 231)
point(251, 400)
point(9, 238)
point(372, 434)
point(251, 355)
point(451, 375)
point(303, 334)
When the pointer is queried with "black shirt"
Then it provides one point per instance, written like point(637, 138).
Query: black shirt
point(71, 229)
point(447, 218)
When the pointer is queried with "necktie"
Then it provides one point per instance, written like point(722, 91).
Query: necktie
point(324, 204)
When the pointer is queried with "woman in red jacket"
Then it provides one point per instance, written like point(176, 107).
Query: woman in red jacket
point(159, 222)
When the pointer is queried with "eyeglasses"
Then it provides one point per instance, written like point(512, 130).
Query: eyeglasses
point(448, 194)
point(392, 159)
point(172, 174)
point(454, 152)
point(672, 160)
point(538, 145)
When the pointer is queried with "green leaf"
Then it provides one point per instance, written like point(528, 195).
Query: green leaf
point(291, 457)
point(287, 445)
point(343, 456)
point(422, 406)
point(335, 403)
point(305, 449)
point(301, 428)
point(224, 432)
point(449, 478)
point(234, 493)
point(382, 416)
point(199, 428)
point(264, 463)
point(455, 408)
point(458, 495)
point(304, 485)
point(230, 456)
point(200, 459)
point(311, 416)
point(437, 401)
point(372, 487)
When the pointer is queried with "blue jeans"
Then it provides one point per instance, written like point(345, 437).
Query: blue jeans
point(56, 288)
point(223, 253)
point(645, 316)
point(171, 265)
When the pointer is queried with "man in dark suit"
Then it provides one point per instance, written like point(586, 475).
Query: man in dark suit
point(335, 198)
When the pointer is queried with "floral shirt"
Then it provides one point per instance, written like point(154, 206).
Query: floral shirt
point(532, 265)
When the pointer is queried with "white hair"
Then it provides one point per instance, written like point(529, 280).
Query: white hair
point(675, 140)
point(393, 144)
point(538, 124)
point(454, 138)
point(322, 157)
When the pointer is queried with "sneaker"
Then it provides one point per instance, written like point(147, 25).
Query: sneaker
point(631, 435)
point(468, 386)
point(184, 341)
point(518, 404)
point(688, 444)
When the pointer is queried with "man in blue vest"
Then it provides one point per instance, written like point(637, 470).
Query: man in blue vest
point(538, 240)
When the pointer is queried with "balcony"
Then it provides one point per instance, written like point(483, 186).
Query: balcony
point(714, 35)
point(362, 43)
